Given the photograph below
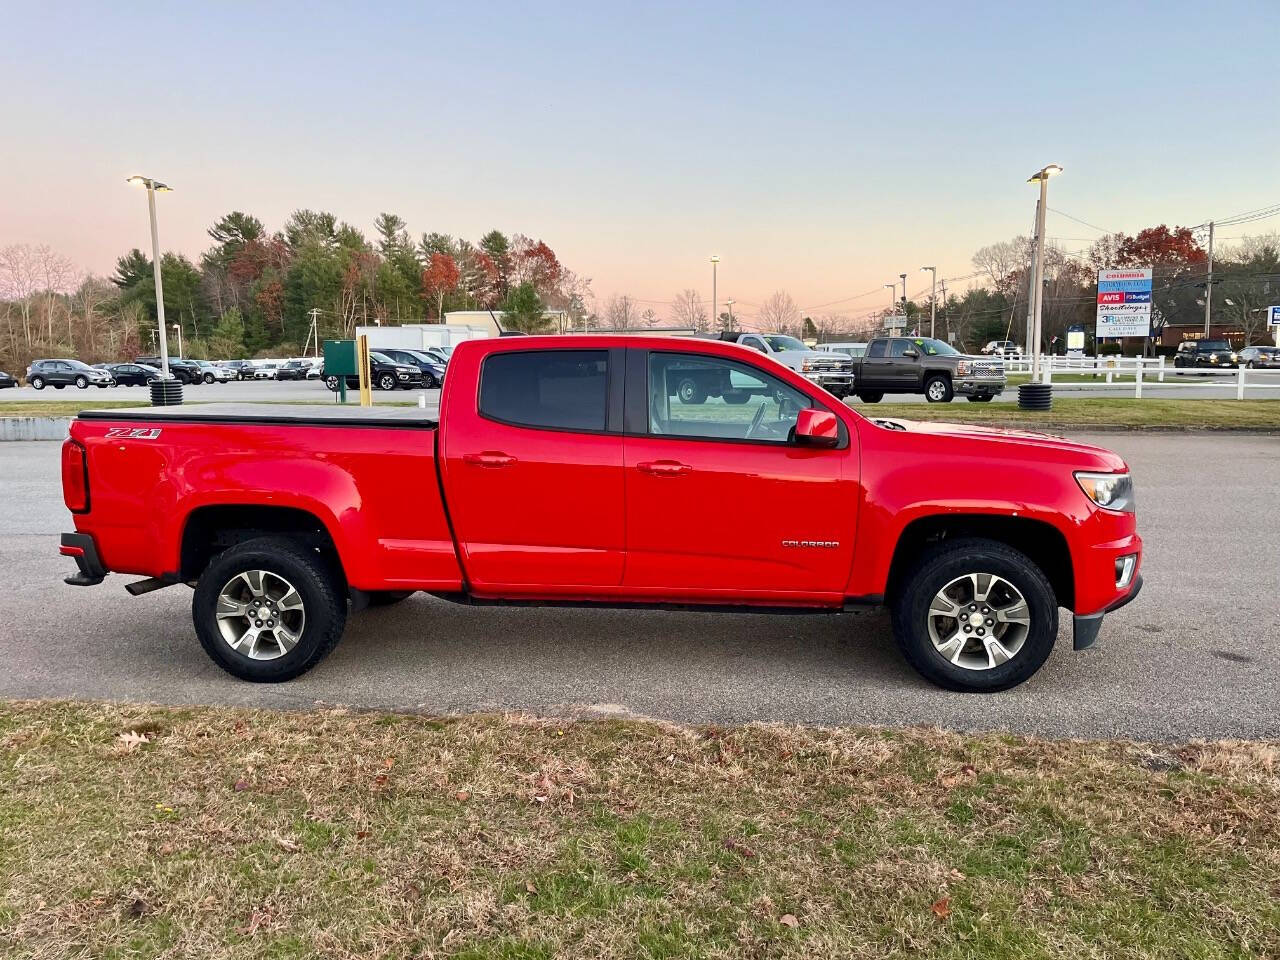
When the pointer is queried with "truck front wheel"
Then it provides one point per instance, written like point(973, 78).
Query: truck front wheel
point(691, 391)
point(268, 610)
point(937, 389)
point(975, 615)
point(871, 396)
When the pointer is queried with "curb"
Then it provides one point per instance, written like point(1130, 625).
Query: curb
point(34, 428)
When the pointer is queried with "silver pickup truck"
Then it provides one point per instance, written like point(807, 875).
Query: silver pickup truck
point(832, 371)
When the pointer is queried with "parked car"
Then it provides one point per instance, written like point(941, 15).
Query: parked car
point(384, 374)
point(132, 374)
point(928, 366)
point(213, 373)
point(1001, 348)
point(1266, 358)
point(830, 370)
point(313, 371)
point(186, 371)
point(243, 369)
point(267, 370)
point(293, 370)
point(7, 380)
point(570, 471)
point(425, 360)
point(64, 373)
point(1205, 353)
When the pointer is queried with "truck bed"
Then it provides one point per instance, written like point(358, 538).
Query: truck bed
point(308, 414)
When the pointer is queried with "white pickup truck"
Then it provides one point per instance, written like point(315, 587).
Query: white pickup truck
point(832, 371)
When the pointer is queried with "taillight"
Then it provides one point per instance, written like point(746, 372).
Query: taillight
point(75, 477)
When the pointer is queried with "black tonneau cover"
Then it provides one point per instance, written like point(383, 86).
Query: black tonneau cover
point(306, 415)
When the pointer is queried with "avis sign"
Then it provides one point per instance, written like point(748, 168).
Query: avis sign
point(1124, 303)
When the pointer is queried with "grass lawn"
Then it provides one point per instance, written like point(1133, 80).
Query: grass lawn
point(138, 831)
point(1083, 412)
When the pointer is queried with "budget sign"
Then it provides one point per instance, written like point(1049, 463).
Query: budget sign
point(1124, 303)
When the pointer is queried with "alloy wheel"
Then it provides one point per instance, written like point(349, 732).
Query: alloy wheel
point(260, 614)
point(979, 621)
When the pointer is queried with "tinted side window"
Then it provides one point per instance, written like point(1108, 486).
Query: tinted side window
point(876, 350)
point(897, 348)
point(558, 389)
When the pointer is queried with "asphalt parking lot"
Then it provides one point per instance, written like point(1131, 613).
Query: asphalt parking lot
point(1198, 655)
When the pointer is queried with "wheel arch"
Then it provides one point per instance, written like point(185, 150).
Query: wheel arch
point(1042, 542)
point(209, 530)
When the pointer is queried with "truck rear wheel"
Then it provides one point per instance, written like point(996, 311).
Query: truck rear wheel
point(937, 389)
point(975, 615)
point(690, 391)
point(268, 610)
point(871, 396)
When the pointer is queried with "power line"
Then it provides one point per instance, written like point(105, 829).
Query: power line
point(1084, 223)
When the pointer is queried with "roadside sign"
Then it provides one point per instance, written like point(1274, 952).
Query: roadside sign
point(1124, 303)
point(1075, 341)
point(1273, 316)
point(897, 321)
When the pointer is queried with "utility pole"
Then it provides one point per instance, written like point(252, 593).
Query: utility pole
point(1208, 286)
point(715, 313)
point(1037, 282)
point(944, 304)
point(933, 299)
point(313, 332)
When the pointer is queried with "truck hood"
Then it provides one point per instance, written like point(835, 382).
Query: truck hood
point(1087, 455)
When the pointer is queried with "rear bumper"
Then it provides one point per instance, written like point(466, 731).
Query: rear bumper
point(81, 548)
point(1085, 628)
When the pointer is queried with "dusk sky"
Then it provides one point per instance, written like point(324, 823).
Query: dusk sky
point(820, 148)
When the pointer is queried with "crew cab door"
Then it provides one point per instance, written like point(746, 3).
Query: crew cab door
point(722, 504)
point(904, 370)
point(531, 460)
point(876, 369)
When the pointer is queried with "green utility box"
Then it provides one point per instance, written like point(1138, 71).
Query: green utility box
point(340, 362)
point(340, 358)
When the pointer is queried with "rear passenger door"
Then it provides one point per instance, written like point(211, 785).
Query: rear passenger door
point(532, 466)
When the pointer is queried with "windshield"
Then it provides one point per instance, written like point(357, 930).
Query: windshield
point(380, 357)
point(934, 348)
point(81, 365)
point(780, 343)
point(1207, 344)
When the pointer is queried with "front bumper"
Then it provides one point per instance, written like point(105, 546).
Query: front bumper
point(830, 380)
point(1084, 629)
point(978, 387)
point(84, 551)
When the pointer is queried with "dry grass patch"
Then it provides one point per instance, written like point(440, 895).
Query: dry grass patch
point(140, 831)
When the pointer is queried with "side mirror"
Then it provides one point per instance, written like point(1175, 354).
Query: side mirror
point(817, 428)
point(911, 352)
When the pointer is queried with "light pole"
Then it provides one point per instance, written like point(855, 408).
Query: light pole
point(893, 302)
point(903, 278)
point(715, 313)
point(729, 303)
point(933, 298)
point(178, 327)
point(152, 186)
point(1037, 283)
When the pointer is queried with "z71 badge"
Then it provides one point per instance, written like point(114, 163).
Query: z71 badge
point(133, 433)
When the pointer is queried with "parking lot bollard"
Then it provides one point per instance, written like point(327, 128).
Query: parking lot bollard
point(1137, 381)
point(1160, 373)
point(1240, 382)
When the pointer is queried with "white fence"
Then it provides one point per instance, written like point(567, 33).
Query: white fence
point(1149, 372)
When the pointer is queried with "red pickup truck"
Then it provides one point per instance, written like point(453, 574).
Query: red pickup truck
point(567, 470)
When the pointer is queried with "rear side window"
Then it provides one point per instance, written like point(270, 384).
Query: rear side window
point(554, 389)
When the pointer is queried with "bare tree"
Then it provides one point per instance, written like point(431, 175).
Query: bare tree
point(55, 274)
point(19, 281)
point(620, 313)
point(1003, 263)
point(779, 314)
point(649, 318)
point(688, 310)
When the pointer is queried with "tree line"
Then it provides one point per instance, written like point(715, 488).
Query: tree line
point(253, 292)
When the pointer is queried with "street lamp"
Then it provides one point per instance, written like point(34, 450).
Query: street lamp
point(715, 315)
point(729, 303)
point(903, 278)
point(152, 186)
point(1037, 285)
point(933, 297)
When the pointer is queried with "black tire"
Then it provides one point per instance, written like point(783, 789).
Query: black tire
point(82, 382)
point(956, 558)
point(387, 381)
point(324, 606)
point(871, 396)
point(690, 391)
point(937, 389)
point(37, 383)
point(736, 397)
point(385, 598)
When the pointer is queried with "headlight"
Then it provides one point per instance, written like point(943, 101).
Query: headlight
point(964, 368)
point(806, 366)
point(1234, 358)
point(1111, 491)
